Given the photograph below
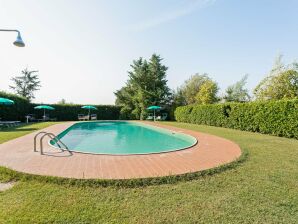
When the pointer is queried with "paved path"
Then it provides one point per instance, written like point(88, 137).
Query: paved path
point(211, 151)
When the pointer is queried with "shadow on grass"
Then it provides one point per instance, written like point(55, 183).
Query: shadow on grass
point(17, 129)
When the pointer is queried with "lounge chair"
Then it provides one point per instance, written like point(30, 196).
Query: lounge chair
point(150, 117)
point(82, 117)
point(163, 117)
point(47, 118)
point(93, 117)
point(30, 118)
point(9, 123)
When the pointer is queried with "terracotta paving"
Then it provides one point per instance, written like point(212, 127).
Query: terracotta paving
point(211, 151)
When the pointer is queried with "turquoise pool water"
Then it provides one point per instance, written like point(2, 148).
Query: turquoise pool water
point(122, 138)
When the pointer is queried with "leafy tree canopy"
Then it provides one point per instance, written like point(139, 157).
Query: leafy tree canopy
point(197, 89)
point(192, 86)
point(237, 92)
point(207, 93)
point(147, 85)
point(281, 83)
point(26, 84)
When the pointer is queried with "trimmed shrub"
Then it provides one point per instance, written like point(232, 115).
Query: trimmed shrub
point(17, 111)
point(69, 112)
point(63, 112)
point(278, 118)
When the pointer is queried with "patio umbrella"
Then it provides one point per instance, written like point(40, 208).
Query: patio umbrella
point(154, 108)
point(44, 107)
point(4, 101)
point(89, 107)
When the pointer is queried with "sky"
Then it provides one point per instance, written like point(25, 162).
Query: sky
point(84, 48)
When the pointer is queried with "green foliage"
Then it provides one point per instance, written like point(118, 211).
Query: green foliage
point(197, 89)
point(26, 84)
point(273, 117)
point(237, 92)
point(207, 93)
point(177, 99)
point(23, 129)
point(63, 101)
point(63, 112)
point(192, 86)
point(281, 83)
point(147, 85)
point(18, 110)
point(281, 86)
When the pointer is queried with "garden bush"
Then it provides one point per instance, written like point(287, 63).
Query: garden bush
point(16, 111)
point(278, 118)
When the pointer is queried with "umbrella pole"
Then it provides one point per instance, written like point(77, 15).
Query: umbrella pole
point(154, 114)
point(44, 114)
point(89, 115)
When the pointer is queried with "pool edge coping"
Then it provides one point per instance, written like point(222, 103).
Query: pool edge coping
point(131, 154)
point(166, 177)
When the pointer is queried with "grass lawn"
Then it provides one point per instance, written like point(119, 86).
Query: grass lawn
point(263, 189)
point(14, 132)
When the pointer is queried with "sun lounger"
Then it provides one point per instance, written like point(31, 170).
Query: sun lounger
point(93, 117)
point(30, 118)
point(150, 117)
point(163, 117)
point(47, 118)
point(9, 123)
point(82, 117)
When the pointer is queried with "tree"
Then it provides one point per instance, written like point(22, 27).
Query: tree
point(62, 101)
point(237, 92)
point(147, 85)
point(26, 84)
point(192, 86)
point(197, 89)
point(178, 98)
point(281, 83)
point(125, 98)
point(207, 93)
point(281, 86)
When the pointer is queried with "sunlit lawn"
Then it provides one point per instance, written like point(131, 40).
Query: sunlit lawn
point(264, 189)
point(14, 132)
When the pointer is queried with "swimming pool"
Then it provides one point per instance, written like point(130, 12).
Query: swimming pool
point(122, 138)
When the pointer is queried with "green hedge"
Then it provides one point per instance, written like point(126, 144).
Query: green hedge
point(278, 118)
point(16, 111)
point(69, 112)
point(65, 112)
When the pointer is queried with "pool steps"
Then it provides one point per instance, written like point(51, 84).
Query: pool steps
point(52, 137)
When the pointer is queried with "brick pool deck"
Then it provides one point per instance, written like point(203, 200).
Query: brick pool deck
point(211, 151)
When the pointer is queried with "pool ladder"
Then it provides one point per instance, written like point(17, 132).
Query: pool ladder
point(52, 137)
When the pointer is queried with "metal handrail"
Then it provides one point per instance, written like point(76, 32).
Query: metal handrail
point(58, 140)
point(42, 132)
point(53, 137)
